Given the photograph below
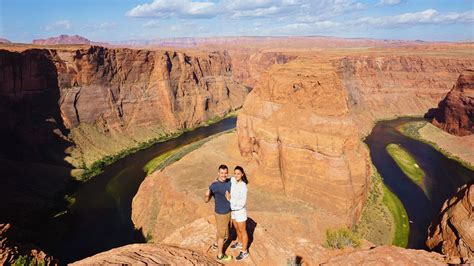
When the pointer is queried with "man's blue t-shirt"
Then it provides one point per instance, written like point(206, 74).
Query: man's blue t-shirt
point(218, 190)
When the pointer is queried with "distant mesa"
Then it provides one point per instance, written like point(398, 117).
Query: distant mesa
point(3, 40)
point(66, 39)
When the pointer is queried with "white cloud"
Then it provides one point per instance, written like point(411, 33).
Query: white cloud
point(429, 16)
point(243, 9)
point(58, 25)
point(389, 2)
point(175, 8)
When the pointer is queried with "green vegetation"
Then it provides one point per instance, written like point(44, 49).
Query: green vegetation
point(98, 166)
point(376, 222)
point(149, 238)
point(167, 158)
point(400, 218)
point(412, 129)
point(406, 163)
point(341, 238)
point(27, 260)
point(384, 219)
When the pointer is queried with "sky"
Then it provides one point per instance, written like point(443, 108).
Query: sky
point(120, 20)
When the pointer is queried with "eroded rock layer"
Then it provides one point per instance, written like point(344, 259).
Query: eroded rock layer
point(296, 124)
point(126, 95)
point(455, 113)
point(148, 254)
point(386, 86)
point(452, 232)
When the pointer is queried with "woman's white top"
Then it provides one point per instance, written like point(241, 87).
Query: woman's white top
point(238, 194)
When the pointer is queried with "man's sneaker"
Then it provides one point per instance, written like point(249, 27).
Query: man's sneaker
point(214, 246)
point(224, 258)
point(236, 245)
point(242, 256)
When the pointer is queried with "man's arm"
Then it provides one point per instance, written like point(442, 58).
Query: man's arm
point(207, 196)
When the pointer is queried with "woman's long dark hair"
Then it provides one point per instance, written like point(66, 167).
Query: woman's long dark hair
point(244, 176)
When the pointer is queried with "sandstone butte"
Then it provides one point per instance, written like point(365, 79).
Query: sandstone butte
point(299, 135)
point(452, 232)
point(455, 113)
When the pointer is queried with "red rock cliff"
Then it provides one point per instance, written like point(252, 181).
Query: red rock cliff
point(119, 96)
point(385, 86)
point(452, 232)
point(296, 124)
point(455, 113)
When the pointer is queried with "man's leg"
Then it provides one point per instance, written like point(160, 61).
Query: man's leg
point(222, 224)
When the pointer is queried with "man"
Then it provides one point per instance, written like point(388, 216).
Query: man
point(222, 210)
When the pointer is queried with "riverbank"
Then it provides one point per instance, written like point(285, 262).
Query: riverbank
point(457, 148)
point(384, 220)
point(96, 167)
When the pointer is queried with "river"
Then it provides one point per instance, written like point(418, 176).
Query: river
point(442, 176)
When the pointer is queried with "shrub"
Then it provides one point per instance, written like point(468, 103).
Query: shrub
point(341, 238)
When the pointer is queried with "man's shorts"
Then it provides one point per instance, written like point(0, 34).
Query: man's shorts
point(240, 215)
point(222, 224)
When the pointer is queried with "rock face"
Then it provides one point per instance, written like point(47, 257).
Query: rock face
point(148, 254)
point(249, 65)
point(10, 251)
point(113, 98)
point(452, 232)
point(455, 113)
point(385, 86)
point(296, 124)
point(63, 39)
point(387, 255)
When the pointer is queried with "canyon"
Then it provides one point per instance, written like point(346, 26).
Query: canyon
point(299, 133)
point(70, 106)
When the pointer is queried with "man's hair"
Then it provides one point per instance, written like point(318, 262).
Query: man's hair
point(223, 167)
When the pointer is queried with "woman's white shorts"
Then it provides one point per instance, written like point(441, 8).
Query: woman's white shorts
point(240, 215)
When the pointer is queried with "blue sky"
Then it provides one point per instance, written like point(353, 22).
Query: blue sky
point(117, 20)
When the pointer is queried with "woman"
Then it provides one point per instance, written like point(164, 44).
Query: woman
point(238, 199)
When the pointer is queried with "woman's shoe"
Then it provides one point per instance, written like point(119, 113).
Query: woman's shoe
point(242, 256)
point(236, 245)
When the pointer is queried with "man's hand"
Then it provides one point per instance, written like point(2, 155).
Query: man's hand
point(207, 196)
point(227, 195)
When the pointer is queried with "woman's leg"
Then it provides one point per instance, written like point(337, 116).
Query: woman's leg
point(239, 235)
point(242, 227)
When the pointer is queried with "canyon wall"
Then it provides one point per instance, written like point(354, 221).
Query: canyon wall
point(452, 232)
point(296, 124)
point(66, 107)
point(304, 120)
point(385, 86)
point(111, 99)
point(455, 113)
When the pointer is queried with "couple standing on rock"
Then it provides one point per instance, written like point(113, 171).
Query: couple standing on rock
point(230, 197)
